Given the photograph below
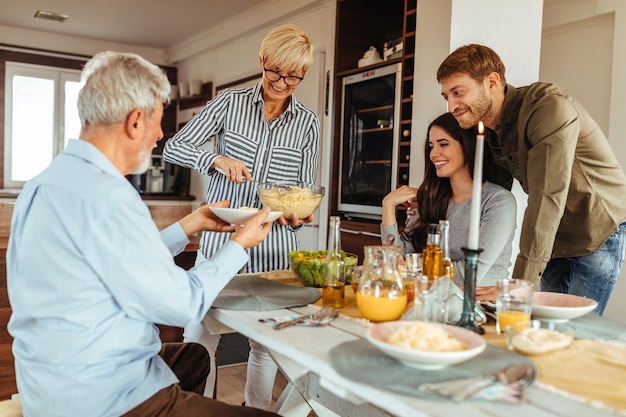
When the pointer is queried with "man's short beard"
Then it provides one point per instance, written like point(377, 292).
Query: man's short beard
point(145, 164)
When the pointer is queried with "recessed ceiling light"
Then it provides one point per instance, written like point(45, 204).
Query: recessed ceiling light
point(42, 14)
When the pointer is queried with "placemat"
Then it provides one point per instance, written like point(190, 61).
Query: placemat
point(589, 370)
point(255, 293)
point(592, 326)
point(361, 361)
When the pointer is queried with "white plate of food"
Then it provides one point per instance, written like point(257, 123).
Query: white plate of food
point(242, 215)
point(555, 306)
point(425, 345)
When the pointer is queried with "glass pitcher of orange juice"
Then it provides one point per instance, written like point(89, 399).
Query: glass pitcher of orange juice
point(381, 295)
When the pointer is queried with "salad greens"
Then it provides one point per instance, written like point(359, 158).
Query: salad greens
point(308, 265)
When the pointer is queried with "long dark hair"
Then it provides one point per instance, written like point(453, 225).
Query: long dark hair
point(434, 194)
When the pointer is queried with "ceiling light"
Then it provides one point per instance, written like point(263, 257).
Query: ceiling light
point(42, 14)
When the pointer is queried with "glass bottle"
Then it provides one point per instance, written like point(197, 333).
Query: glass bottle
point(432, 255)
point(333, 269)
point(381, 295)
point(444, 230)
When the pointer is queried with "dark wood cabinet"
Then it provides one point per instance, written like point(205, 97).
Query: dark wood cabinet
point(361, 24)
point(8, 386)
point(198, 100)
point(355, 235)
point(406, 112)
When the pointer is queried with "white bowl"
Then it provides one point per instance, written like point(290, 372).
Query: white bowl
point(555, 306)
point(241, 216)
point(425, 359)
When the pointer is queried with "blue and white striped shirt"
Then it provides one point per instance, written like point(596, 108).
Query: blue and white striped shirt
point(281, 150)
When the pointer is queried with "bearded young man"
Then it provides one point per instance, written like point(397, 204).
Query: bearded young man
point(574, 231)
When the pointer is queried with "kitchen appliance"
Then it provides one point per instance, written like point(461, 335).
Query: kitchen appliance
point(369, 140)
point(162, 178)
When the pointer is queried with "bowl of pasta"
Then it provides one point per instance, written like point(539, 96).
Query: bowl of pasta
point(291, 198)
point(425, 345)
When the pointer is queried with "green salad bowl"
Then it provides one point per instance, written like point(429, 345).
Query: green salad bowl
point(307, 265)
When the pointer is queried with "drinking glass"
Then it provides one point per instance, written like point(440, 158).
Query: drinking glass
point(355, 277)
point(432, 299)
point(413, 264)
point(413, 271)
point(514, 299)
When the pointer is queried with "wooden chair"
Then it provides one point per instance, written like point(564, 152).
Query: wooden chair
point(11, 408)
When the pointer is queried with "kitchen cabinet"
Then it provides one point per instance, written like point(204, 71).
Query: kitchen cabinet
point(356, 235)
point(198, 100)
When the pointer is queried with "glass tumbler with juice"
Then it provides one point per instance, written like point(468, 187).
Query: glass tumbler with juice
point(514, 299)
point(413, 270)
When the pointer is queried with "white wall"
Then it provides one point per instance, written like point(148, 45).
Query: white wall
point(74, 45)
point(238, 57)
point(577, 44)
point(444, 25)
point(594, 71)
point(466, 22)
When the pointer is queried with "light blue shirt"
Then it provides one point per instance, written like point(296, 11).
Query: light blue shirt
point(88, 275)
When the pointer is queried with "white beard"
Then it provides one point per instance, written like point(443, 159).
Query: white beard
point(145, 164)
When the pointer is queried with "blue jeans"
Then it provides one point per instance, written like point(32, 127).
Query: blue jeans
point(592, 276)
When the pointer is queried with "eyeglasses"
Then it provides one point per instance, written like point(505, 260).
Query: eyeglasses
point(290, 80)
point(273, 76)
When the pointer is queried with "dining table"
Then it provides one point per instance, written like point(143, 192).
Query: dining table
point(586, 379)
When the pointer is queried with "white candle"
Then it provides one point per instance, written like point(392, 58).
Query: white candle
point(472, 241)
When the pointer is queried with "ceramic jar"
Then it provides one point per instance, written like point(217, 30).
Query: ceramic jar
point(371, 56)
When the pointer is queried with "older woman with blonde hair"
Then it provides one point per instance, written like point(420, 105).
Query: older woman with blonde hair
point(263, 133)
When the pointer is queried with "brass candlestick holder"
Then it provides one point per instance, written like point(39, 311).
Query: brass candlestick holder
point(469, 291)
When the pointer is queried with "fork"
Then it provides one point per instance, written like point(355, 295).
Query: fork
point(322, 314)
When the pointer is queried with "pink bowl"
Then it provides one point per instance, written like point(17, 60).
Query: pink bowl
point(555, 306)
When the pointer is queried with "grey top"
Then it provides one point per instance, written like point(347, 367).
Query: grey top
point(497, 228)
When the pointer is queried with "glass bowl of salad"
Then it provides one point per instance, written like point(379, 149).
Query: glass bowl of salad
point(307, 265)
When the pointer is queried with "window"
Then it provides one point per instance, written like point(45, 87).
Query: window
point(40, 117)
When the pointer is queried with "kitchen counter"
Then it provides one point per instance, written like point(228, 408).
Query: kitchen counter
point(192, 246)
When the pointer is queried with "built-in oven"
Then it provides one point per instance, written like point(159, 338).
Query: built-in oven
point(369, 140)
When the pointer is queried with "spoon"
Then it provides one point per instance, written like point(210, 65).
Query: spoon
point(464, 388)
point(514, 373)
point(322, 314)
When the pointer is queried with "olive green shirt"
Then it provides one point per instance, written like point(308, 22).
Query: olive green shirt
point(576, 188)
